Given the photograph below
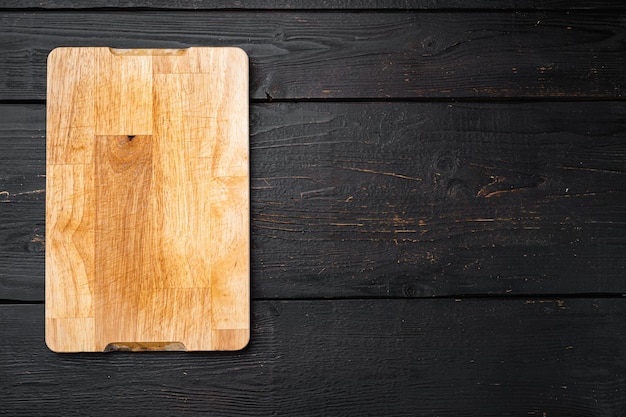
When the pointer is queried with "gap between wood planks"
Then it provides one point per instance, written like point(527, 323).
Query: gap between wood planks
point(384, 6)
point(531, 298)
point(425, 100)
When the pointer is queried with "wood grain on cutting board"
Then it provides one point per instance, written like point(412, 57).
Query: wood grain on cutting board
point(147, 202)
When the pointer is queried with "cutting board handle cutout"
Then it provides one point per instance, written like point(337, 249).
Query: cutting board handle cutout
point(144, 347)
point(151, 52)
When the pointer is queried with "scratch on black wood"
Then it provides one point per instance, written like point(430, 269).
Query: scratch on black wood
point(608, 171)
point(5, 196)
point(316, 193)
point(36, 244)
point(391, 174)
point(502, 185)
point(285, 145)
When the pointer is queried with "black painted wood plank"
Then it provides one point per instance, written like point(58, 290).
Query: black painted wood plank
point(359, 357)
point(433, 199)
point(315, 4)
point(22, 151)
point(22, 191)
point(394, 199)
point(351, 55)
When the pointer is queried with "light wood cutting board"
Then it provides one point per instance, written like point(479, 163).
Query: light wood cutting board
point(147, 200)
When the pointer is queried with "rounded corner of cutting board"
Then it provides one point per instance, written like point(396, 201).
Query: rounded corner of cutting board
point(51, 344)
point(242, 53)
point(240, 344)
point(54, 55)
point(54, 52)
point(243, 345)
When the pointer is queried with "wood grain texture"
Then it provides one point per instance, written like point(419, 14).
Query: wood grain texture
point(343, 55)
point(514, 198)
point(358, 357)
point(401, 149)
point(22, 208)
point(314, 4)
point(126, 261)
point(428, 199)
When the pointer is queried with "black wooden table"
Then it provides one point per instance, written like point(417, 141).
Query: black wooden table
point(438, 210)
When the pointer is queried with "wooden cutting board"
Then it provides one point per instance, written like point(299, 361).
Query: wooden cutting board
point(147, 200)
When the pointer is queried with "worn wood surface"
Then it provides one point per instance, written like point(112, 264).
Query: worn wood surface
point(316, 4)
point(471, 151)
point(359, 357)
point(300, 55)
point(394, 199)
